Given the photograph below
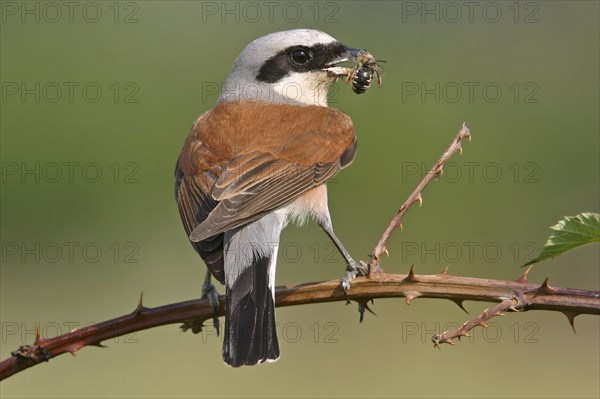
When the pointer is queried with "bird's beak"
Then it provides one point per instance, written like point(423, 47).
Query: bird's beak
point(349, 54)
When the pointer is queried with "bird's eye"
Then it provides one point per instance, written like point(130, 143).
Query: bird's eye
point(300, 56)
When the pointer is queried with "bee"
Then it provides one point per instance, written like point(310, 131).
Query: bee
point(361, 75)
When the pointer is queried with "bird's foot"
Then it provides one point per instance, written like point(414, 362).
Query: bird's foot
point(210, 292)
point(352, 271)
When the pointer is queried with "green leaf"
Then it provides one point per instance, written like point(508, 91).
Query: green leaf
point(569, 233)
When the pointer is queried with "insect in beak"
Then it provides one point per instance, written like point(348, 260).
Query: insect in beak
point(361, 75)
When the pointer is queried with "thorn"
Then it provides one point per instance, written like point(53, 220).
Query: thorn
point(38, 335)
point(74, 348)
point(460, 150)
point(449, 342)
point(140, 307)
point(460, 304)
point(401, 226)
point(410, 295)
point(545, 288)
point(361, 311)
point(420, 199)
point(523, 278)
point(445, 271)
point(370, 310)
point(571, 317)
point(362, 306)
point(385, 251)
point(411, 274)
point(482, 324)
point(467, 131)
point(98, 344)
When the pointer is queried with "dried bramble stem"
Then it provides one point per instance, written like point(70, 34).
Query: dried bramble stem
point(448, 337)
point(416, 196)
point(571, 302)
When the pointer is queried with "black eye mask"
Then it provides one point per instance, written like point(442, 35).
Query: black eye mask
point(283, 63)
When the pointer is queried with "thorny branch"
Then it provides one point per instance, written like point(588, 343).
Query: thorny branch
point(446, 337)
point(416, 196)
point(517, 295)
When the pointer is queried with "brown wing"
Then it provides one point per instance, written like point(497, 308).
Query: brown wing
point(246, 195)
point(194, 207)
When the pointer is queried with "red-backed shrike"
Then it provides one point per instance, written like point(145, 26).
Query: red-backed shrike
point(257, 160)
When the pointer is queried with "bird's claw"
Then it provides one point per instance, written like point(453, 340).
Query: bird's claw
point(352, 271)
point(210, 292)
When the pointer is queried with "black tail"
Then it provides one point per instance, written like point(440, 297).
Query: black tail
point(250, 335)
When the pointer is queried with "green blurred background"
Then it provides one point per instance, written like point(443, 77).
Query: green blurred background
point(534, 158)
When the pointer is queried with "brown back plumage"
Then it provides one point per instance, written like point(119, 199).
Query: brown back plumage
point(242, 160)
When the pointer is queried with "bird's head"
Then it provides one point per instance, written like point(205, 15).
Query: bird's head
point(295, 67)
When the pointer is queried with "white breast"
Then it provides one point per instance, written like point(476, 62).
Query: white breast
point(313, 203)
